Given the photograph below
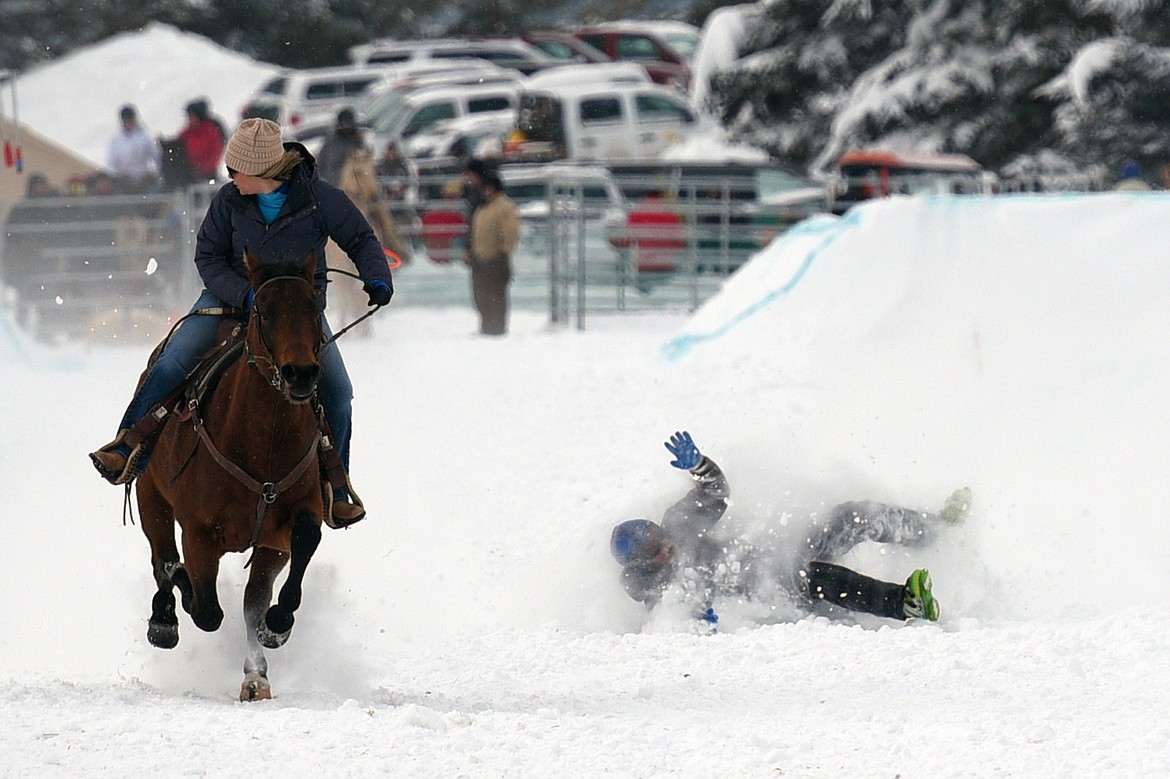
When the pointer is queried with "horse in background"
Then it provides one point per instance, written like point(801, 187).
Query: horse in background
point(241, 472)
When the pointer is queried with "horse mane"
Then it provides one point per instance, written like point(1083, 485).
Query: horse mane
point(283, 267)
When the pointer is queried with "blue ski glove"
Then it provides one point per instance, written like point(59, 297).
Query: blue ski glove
point(379, 292)
point(248, 299)
point(710, 616)
point(684, 450)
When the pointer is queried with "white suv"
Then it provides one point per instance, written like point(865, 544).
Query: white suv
point(416, 111)
point(295, 97)
point(505, 52)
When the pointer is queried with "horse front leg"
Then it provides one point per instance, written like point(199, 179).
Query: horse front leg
point(265, 566)
point(198, 576)
point(158, 525)
point(306, 535)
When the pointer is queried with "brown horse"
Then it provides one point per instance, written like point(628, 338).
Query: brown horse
point(241, 473)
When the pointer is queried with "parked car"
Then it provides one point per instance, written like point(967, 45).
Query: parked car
point(391, 92)
point(601, 72)
point(505, 52)
point(417, 111)
point(534, 187)
point(474, 135)
point(862, 175)
point(599, 121)
point(713, 214)
point(569, 198)
point(296, 96)
point(565, 46)
point(664, 48)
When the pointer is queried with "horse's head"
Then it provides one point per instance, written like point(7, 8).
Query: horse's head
point(284, 326)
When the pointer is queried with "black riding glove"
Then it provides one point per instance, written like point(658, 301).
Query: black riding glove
point(379, 291)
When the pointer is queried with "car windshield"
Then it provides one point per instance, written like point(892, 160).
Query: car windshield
point(275, 87)
point(381, 110)
point(683, 44)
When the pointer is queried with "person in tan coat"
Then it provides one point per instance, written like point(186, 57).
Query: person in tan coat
point(495, 232)
point(359, 180)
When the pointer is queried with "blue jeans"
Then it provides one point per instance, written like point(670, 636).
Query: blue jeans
point(197, 334)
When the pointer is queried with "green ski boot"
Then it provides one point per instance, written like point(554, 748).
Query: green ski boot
point(957, 507)
point(919, 601)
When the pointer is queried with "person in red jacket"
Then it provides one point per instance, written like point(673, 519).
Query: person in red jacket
point(203, 141)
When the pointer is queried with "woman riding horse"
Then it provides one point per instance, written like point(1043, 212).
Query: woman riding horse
point(278, 208)
point(237, 471)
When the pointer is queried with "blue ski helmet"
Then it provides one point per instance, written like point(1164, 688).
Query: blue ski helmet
point(628, 538)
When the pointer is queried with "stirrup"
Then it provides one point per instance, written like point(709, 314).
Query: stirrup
point(328, 518)
point(130, 470)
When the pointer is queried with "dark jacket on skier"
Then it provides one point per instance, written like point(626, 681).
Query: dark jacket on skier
point(685, 550)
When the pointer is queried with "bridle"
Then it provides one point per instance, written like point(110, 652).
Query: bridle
point(268, 491)
point(264, 361)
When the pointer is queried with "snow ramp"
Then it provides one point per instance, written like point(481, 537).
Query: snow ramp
point(1019, 344)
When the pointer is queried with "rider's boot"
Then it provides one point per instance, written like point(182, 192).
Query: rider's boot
point(343, 507)
point(118, 462)
point(343, 512)
point(122, 460)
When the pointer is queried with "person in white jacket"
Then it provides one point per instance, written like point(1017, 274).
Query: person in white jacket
point(134, 158)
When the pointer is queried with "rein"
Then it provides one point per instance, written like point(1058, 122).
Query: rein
point(357, 321)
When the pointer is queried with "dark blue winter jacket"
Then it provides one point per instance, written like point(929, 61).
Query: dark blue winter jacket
point(314, 212)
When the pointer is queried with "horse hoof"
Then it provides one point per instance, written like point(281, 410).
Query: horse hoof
point(255, 688)
point(208, 620)
point(279, 619)
point(269, 639)
point(162, 635)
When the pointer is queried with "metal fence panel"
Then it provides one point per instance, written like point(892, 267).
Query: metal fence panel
point(108, 266)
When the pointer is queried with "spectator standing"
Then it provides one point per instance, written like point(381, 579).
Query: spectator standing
point(134, 158)
point(203, 141)
point(359, 180)
point(495, 232)
point(344, 139)
point(393, 172)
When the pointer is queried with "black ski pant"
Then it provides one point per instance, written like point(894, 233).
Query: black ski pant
point(851, 590)
point(848, 525)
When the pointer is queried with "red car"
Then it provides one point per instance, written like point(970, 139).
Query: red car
point(663, 48)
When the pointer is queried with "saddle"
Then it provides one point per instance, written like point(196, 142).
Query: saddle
point(185, 400)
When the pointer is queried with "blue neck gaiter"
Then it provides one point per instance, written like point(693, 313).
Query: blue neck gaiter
point(271, 203)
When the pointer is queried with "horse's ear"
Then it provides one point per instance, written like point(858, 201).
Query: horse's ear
point(251, 261)
point(310, 269)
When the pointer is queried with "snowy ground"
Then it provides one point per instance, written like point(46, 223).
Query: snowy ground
point(474, 625)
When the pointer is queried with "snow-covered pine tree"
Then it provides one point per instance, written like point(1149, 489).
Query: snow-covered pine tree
point(990, 79)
